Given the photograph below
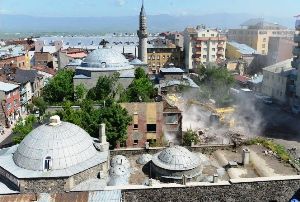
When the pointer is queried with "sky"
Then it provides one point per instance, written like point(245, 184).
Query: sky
point(100, 8)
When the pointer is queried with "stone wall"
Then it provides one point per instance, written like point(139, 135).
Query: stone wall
point(42, 185)
point(266, 190)
point(206, 149)
point(88, 174)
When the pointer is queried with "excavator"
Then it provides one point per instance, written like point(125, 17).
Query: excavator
point(218, 115)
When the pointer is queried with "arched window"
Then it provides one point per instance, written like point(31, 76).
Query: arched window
point(48, 163)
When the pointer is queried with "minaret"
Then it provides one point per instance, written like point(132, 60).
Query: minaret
point(142, 34)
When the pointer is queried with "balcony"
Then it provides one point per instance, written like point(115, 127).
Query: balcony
point(198, 45)
point(220, 45)
point(220, 52)
point(297, 38)
point(296, 51)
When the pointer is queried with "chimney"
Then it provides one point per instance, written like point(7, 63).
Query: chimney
point(54, 120)
point(102, 135)
point(215, 178)
point(246, 156)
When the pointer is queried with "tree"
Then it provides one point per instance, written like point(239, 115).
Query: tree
point(80, 91)
point(189, 137)
point(106, 87)
point(112, 114)
point(60, 88)
point(40, 103)
point(140, 90)
point(23, 128)
point(214, 82)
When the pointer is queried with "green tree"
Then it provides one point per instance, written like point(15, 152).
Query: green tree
point(140, 90)
point(189, 137)
point(23, 128)
point(60, 88)
point(113, 115)
point(140, 73)
point(106, 87)
point(40, 103)
point(80, 91)
point(214, 82)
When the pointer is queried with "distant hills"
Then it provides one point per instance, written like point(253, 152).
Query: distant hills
point(156, 23)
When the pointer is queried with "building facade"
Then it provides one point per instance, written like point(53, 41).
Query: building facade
point(159, 57)
point(202, 46)
point(10, 102)
point(143, 35)
point(296, 54)
point(279, 81)
point(20, 61)
point(280, 49)
point(151, 122)
point(257, 32)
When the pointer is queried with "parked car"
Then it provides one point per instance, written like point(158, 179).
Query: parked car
point(268, 100)
point(296, 109)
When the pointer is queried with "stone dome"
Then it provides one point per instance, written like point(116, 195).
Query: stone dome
point(176, 158)
point(63, 143)
point(105, 58)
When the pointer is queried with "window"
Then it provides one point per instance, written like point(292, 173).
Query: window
point(264, 39)
point(151, 128)
point(212, 35)
point(158, 57)
point(205, 49)
point(48, 163)
point(203, 35)
point(163, 57)
point(213, 49)
point(15, 102)
point(8, 106)
point(135, 142)
point(263, 46)
point(149, 57)
point(135, 126)
point(204, 56)
point(213, 56)
point(171, 119)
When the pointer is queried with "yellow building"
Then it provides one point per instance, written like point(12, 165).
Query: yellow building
point(256, 33)
point(159, 57)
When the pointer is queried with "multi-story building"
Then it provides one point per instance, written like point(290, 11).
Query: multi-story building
point(10, 102)
point(280, 49)
point(279, 81)
point(203, 45)
point(257, 32)
point(43, 59)
point(296, 53)
point(20, 61)
point(159, 57)
point(152, 122)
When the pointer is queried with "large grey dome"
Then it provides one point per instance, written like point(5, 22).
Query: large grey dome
point(105, 58)
point(65, 144)
point(176, 158)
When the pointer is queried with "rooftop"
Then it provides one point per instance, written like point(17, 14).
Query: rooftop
point(281, 67)
point(6, 87)
point(243, 48)
point(171, 70)
point(260, 23)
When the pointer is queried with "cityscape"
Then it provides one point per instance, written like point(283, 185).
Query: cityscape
point(149, 101)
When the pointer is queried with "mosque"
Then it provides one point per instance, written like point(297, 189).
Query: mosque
point(107, 61)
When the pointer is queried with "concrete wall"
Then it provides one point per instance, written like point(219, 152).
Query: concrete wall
point(274, 85)
point(251, 189)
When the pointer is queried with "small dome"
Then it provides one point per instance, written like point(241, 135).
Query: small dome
point(144, 159)
point(176, 158)
point(105, 58)
point(63, 144)
point(120, 160)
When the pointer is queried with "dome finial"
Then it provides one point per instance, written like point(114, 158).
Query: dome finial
point(54, 120)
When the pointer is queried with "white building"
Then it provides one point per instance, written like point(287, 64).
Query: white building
point(202, 46)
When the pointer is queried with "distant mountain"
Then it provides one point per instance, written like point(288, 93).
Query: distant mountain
point(157, 23)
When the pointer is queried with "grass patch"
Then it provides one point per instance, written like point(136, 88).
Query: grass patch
point(274, 147)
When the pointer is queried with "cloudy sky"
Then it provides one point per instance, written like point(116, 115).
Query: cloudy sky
point(96, 8)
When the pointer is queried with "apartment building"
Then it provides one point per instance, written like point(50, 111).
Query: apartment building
point(159, 57)
point(279, 81)
point(10, 102)
point(296, 53)
point(20, 61)
point(151, 122)
point(257, 32)
point(203, 45)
